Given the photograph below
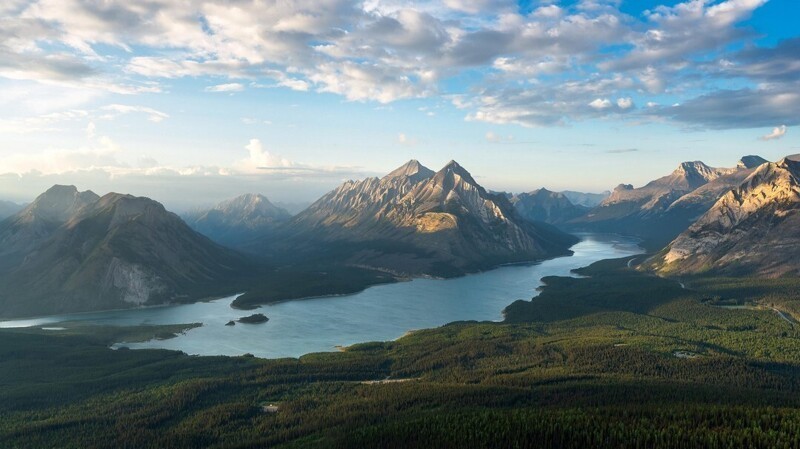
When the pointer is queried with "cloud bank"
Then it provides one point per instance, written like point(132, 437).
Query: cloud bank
point(546, 65)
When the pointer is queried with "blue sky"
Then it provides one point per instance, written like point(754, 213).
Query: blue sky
point(197, 101)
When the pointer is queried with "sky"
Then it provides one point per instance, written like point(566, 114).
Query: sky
point(191, 102)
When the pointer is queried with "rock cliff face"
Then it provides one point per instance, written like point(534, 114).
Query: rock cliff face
point(238, 220)
point(665, 207)
point(82, 252)
point(751, 230)
point(414, 221)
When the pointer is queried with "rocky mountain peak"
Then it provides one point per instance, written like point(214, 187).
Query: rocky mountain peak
point(697, 170)
point(623, 187)
point(411, 169)
point(58, 204)
point(750, 161)
point(247, 203)
point(453, 170)
point(773, 176)
point(790, 164)
point(124, 207)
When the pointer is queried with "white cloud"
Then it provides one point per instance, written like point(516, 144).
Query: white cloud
point(386, 50)
point(115, 110)
point(259, 159)
point(549, 11)
point(228, 87)
point(601, 103)
point(295, 84)
point(776, 133)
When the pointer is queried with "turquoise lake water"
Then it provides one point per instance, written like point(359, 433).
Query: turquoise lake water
point(380, 313)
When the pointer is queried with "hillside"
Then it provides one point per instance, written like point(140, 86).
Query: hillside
point(72, 251)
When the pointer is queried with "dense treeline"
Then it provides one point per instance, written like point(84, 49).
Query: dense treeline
point(634, 362)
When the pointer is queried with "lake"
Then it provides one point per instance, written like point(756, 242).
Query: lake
point(380, 313)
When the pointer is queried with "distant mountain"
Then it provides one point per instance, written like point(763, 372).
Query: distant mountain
point(752, 230)
point(665, 207)
point(544, 205)
point(751, 161)
point(414, 221)
point(7, 208)
point(588, 200)
point(72, 251)
point(238, 220)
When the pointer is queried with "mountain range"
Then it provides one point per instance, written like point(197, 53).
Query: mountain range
point(665, 207)
point(415, 221)
point(71, 251)
point(753, 229)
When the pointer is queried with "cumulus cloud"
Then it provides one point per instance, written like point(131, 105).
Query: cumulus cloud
point(681, 31)
point(777, 133)
point(260, 159)
point(601, 103)
point(388, 50)
point(624, 103)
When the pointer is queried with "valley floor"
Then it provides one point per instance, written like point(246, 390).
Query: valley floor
point(614, 359)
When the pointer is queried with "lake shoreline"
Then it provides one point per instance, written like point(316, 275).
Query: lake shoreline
point(379, 313)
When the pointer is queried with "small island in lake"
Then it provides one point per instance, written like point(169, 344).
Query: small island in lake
point(255, 318)
point(231, 323)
